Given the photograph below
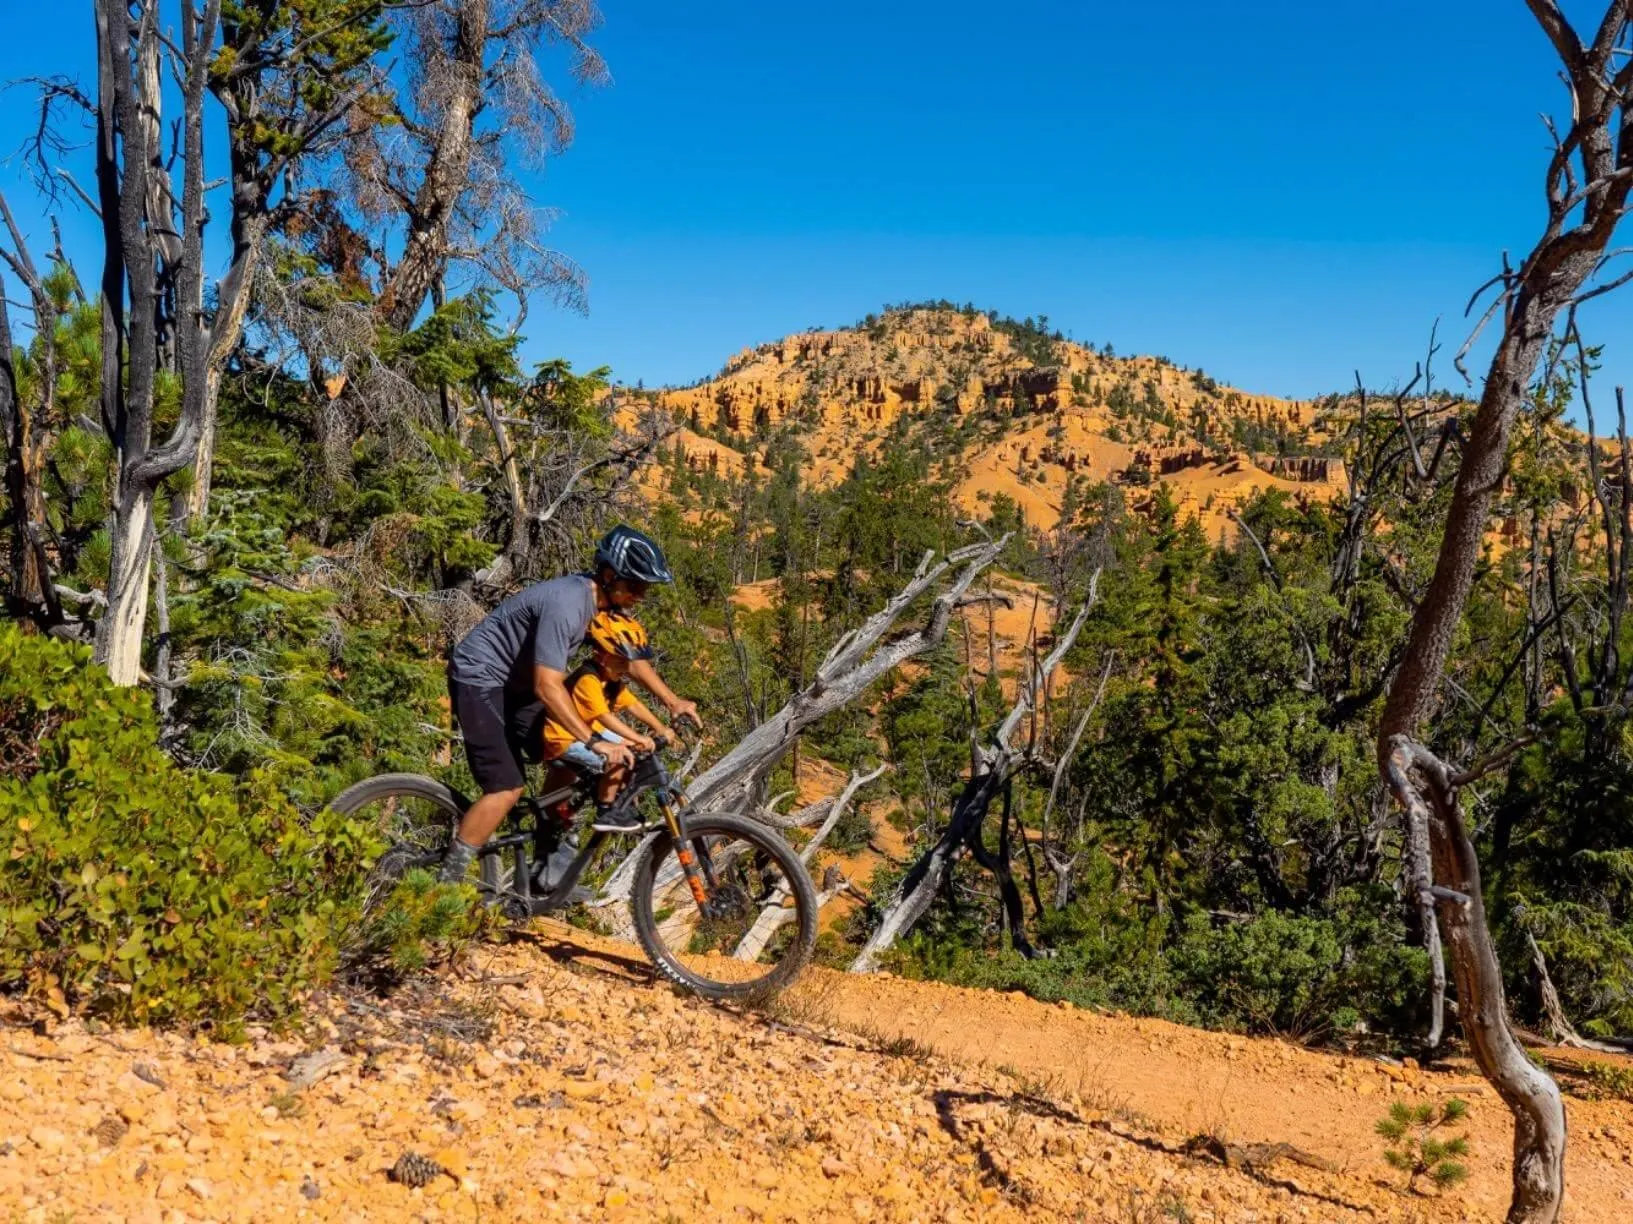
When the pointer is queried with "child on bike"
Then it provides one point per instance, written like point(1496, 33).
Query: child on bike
point(602, 696)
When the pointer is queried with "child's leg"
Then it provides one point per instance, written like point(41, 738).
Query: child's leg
point(609, 818)
point(609, 784)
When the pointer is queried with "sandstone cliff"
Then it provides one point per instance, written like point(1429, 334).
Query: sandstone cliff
point(1053, 412)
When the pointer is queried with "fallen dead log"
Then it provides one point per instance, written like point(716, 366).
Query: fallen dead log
point(855, 663)
point(776, 912)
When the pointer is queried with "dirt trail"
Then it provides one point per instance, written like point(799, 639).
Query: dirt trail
point(1186, 1081)
point(552, 1078)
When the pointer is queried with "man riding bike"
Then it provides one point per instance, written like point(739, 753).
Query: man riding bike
point(510, 672)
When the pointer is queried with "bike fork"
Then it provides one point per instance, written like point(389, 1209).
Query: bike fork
point(689, 865)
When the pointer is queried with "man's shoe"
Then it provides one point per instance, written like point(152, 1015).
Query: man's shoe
point(619, 818)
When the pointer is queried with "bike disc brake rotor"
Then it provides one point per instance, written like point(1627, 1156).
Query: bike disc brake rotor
point(728, 901)
point(739, 885)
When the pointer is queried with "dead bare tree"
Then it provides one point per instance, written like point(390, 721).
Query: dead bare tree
point(997, 764)
point(442, 174)
point(574, 479)
point(31, 591)
point(1059, 863)
point(776, 913)
point(262, 68)
point(126, 165)
point(1587, 183)
point(287, 81)
point(424, 200)
point(855, 663)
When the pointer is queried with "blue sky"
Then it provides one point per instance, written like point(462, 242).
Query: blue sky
point(1278, 193)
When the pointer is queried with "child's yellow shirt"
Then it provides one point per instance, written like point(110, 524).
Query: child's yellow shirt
point(594, 698)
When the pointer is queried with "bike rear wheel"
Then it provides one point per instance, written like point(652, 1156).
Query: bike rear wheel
point(417, 817)
point(760, 924)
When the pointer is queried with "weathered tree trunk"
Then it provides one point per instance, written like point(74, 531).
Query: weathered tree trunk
point(124, 180)
point(27, 445)
point(162, 678)
point(119, 633)
point(30, 576)
point(775, 914)
point(153, 299)
point(162, 221)
point(1559, 1028)
point(919, 886)
point(447, 172)
point(836, 811)
point(226, 329)
point(1424, 787)
point(1419, 877)
point(521, 529)
point(277, 106)
point(850, 668)
point(1587, 184)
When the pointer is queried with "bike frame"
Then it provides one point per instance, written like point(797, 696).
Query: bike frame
point(649, 775)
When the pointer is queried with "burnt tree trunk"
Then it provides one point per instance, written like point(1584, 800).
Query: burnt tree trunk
point(994, 768)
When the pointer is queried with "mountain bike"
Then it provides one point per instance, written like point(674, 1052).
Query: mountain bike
point(722, 905)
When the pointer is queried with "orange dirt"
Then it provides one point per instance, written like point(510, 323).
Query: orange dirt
point(581, 1090)
point(1186, 1081)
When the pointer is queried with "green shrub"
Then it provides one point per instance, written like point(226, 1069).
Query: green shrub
point(141, 891)
point(1608, 1081)
point(1108, 951)
point(1301, 976)
point(853, 830)
point(1297, 976)
point(1277, 972)
point(422, 920)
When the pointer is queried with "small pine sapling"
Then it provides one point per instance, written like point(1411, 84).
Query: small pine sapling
point(1416, 1149)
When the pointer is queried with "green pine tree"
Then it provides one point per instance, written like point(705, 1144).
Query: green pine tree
point(1417, 1151)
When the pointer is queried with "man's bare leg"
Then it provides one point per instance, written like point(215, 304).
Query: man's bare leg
point(475, 827)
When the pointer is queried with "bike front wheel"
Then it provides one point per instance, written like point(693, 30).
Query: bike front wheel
point(757, 925)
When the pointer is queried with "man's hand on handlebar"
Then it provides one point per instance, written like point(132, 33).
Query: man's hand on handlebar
point(683, 709)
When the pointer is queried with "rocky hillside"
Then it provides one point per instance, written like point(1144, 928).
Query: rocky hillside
point(1033, 414)
point(551, 1079)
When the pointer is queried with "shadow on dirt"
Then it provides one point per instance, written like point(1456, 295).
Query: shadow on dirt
point(564, 951)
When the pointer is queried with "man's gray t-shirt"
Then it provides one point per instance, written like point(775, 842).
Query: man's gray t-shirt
point(539, 626)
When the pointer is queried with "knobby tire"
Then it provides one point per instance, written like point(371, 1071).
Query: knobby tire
point(700, 828)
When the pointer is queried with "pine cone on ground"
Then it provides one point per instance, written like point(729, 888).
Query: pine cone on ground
point(412, 1170)
point(110, 1130)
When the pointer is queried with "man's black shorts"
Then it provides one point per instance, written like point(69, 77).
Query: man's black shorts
point(498, 738)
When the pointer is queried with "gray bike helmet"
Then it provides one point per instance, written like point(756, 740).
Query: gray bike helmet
point(633, 556)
